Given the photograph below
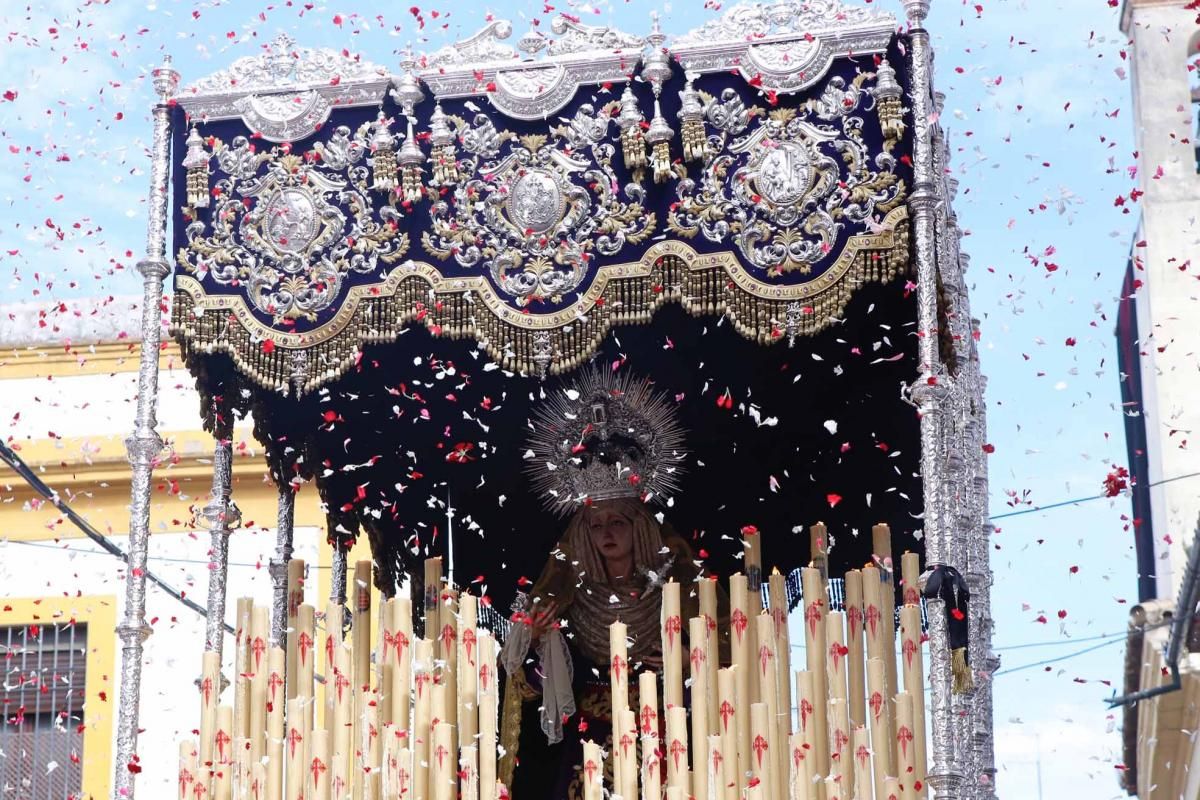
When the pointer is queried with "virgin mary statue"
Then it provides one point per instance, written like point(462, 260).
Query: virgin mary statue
point(603, 451)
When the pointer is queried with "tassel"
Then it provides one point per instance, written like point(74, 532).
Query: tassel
point(411, 159)
point(887, 97)
point(196, 163)
point(633, 143)
point(964, 681)
point(383, 145)
point(691, 129)
point(443, 157)
point(659, 136)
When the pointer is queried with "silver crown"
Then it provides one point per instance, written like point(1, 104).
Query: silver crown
point(607, 435)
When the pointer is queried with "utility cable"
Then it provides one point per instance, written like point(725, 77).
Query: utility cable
point(18, 465)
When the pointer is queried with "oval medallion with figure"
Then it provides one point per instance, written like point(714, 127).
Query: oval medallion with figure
point(784, 173)
point(536, 201)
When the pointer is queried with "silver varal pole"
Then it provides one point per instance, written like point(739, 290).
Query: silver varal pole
point(222, 516)
point(931, 389)
point(144, 445)
point(279, 564)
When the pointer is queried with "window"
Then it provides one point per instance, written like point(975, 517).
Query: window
point(42, 701)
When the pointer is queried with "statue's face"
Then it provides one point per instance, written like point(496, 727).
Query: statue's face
point(611, 533)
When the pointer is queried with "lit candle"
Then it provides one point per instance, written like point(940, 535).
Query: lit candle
point(906, 752)
point(618, 666)
point(873, 620)
point(767, 664)
point(727, 720)
point(914, 676)
point(210, 698)
point(879, 719)
point(910, 573)
point(295, 750)
point(698, 662)
point(402, 655)
point(468, 677)
point(295, 598)
point(881, 539)
point(306, 656)
point(276, 688)
point(488, 711)
point(856, 666)
point(677, 747)
point(593, 772)
point(815, 608)
point(672, 646)
point(761, 755)
point(707, 588)
point(783, 671)
point(741, 639)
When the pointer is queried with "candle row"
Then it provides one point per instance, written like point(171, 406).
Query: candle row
point(417, 721)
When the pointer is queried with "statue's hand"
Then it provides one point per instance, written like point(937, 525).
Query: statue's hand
point(544, 618)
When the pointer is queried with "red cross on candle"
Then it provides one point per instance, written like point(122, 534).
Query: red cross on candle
point(698, 659)
point(206, 689)
point(678, 752)
point(673, 627)
point(726, 711)
point(341, 682)
point(258, 647)
point(873, 617)
point(764, 657)
point(780, 619)
point(626, 743)
point(863, 755)
point(591, 768)
point(185, 778)
point(618, 669)
point(448, 636)
point(421, 679)
point(274, 681)
point(759, 746)
point(648, 719)
point(854, 616)
point(717, 760)
point(199, 790)
point(835, 655)
point(223, 741)
point(797, 757)
point(441, 752)
point(739, 622)
point(840, 740)
point(485, 677)
point(468, 640)
point(904, 736)
point(329, 651)
point(294, 738)
point(806, 711)
point(909, 648)
point(304, 644)
point(812, 616)
point(876, 703)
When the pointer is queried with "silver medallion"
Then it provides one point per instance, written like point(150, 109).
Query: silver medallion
point(784, 174)
point(291, 220)
point(536, 202)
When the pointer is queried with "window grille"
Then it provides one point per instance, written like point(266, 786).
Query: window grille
point(42, 698)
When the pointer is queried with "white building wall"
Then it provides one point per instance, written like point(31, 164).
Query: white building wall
point(1164, 36)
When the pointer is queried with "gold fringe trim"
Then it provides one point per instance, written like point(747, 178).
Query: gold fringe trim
point(703, 284)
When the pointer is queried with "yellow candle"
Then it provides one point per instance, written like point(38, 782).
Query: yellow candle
point(818, 538)
point(906, 752)
point(677, 747)
point(370, 746)
point(910, 572)
point(768, 685)
point(881, 539)
point(421, 734)
point(400, 695)
point(625, 753)
point(672, 646)
point(806, 723)
point(715, 764)
point(468, 676)
point(488, 712)
point(222, 779)
point(295, 598)
point(593, 771)
point(341, 729)
point(840, 756)
point(707, 588)
point(741, 641)
point(856, 666)
point(837, 652)
point(334, 614)
point(618, 666)
point(318, 772)
point(243, 621)
point(468, 775)
point(815, 608)
point(874, 620)
point(698, 662)
point(276, 689)
point(442, 770)
point(448, 653)
point(783, 671)
point(403, 772)
point(189, 769)
point(306, 657)
point(799, 768)
point(879, 720)
point(727, 726)
point(360, 638)
point(260, 623)
point(210, 697)
point(860, 754)
point(294, 749)
point(651, 767)
point(762, 758)
point(914, 680)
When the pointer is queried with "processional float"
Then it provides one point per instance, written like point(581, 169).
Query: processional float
point(394, 270)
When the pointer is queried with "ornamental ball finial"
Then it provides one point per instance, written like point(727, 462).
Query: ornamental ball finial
point(166, 79)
